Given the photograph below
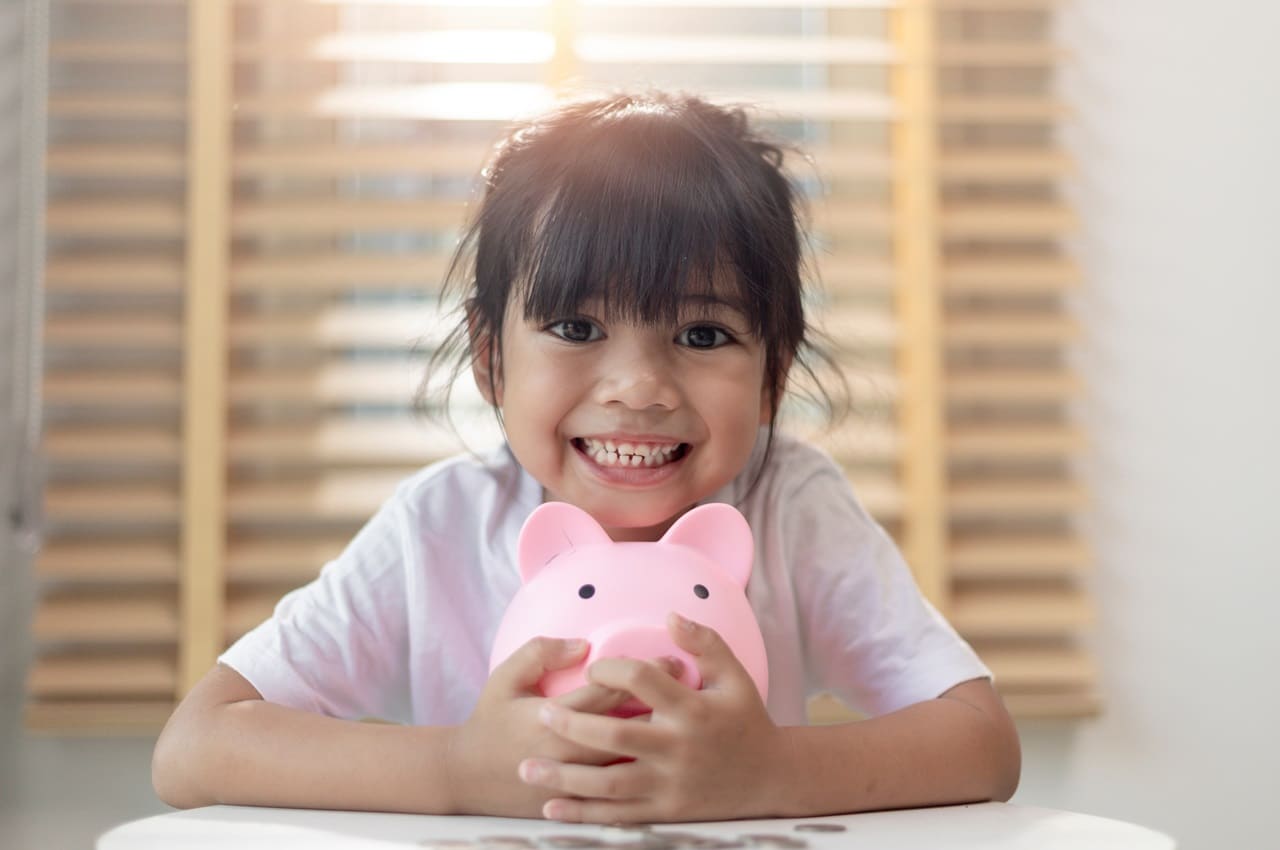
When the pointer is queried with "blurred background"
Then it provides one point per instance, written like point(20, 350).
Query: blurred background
point(1043, 246)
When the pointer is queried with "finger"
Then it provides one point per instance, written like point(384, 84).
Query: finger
point(528, 664)
point(645, 681)
point(610, 734)
point(621, 781)
point(568, 810)
point(720, 668)
point(592, 699)
point(596, 698)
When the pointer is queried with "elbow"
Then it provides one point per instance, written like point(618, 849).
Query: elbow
point(166, 777)
point(1006, 770)
point(172, 777)
point(994, 745)
point(1006, 780)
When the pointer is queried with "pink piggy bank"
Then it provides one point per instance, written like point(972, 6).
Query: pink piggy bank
point(578, 583)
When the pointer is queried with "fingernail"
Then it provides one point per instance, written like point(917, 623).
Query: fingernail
point(574, 646)
point(531, 771)
point(687, 625)
point(546, 714)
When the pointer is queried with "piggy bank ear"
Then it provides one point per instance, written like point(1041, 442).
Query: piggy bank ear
point(553, 529)
point(721, 533)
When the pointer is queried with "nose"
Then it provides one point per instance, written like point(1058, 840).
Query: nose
point(639, 376)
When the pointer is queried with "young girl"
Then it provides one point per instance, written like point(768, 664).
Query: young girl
point(634, 312)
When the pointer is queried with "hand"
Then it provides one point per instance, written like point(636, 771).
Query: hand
point(504, 729)
point(703, 755)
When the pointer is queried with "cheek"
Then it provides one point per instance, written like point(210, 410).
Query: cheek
point(742, 391)
point(542, 385)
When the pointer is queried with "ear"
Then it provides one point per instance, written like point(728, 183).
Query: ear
point(486, 363)
point(553, 529)
point(721, 533)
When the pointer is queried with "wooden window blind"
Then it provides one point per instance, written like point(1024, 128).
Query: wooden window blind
point(251, 206)
point(1015, 557)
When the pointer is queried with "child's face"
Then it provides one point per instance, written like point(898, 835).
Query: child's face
point(687, 397)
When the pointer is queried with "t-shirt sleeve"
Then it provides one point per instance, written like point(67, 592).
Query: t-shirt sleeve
point(871, 637)
point(338, 646)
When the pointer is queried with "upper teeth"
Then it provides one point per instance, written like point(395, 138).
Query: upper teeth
point(628, 454)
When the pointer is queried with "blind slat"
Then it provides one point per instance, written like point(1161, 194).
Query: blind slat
point(1016, 499)
point(332, 384)
point(133, 560)
point(133, 676)
point(987, 441)
point(122, 218)
point(115, 159)
point(120, 388)
point(275, 559)
point(963, 276)
point(1026, 330)
point(1014, 556)
point(263, 159)
point(102, 620)
point(111, 502)
point(142, 275)
point(90, 330)
point(1025, 386)
point(1008, 614)
point(134, 443)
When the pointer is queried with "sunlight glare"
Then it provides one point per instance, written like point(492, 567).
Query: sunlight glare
point(441, 101)
point(458, 46)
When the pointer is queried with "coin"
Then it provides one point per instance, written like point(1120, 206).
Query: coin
point(820, 827)
point(652, 841)
point(787, 842)
point(647, 841)
point(571, 842)
point(696, 841)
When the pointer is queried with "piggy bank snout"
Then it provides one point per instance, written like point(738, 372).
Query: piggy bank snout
point(642, 641)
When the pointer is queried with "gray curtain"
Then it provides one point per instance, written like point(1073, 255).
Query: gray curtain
point(23, 49)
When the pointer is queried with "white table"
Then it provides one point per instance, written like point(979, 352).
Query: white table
point(987, 826)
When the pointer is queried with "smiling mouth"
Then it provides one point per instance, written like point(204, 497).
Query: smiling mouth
point(630, 454)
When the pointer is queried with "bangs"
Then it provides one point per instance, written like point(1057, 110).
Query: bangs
point(640, 231)
point(638, 205)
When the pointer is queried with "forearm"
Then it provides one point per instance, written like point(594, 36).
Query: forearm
point(253, 752)
point(937, 752)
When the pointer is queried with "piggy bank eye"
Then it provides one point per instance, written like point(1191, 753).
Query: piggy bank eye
point(587, 591)
point(701, 591)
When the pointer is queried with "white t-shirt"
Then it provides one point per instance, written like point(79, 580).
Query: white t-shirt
point(400, 625)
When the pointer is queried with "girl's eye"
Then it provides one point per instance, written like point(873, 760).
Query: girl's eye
point(703, 336)
point(575, 330)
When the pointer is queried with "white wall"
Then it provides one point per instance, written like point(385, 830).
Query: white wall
point(1178, 141)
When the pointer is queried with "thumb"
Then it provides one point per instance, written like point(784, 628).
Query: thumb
point(527, 665)
point(720, 668)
